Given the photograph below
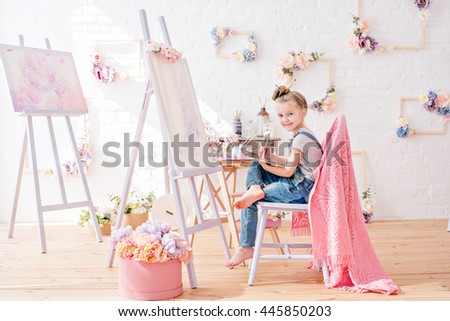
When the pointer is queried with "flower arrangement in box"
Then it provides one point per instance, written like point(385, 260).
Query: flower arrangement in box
point(136, 203)
point(276, 215)
point(104, 218)
point(152, 242)
point(274, 218)
point(137, 207)
point(150, 260)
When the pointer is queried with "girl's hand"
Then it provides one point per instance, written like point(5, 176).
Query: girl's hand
point(261, 152)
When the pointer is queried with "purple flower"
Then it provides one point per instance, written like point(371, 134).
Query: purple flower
point(69, 168)
point(120, 234)
point(367, 217)
point(156, 227)
point(171, 242)
point(422, 4)
point(430, 105)
point(367, 43)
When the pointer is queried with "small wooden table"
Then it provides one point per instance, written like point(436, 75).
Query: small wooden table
point(231, 168)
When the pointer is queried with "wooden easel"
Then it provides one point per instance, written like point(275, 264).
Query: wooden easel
point(29, 137)
point(193, 175)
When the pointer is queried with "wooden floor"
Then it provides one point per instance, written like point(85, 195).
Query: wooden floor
point(416, 255)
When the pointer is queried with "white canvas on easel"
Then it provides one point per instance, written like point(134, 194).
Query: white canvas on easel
point(44, 83)
point(180, 117)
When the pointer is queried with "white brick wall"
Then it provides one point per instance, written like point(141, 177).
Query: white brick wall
point(410, 177)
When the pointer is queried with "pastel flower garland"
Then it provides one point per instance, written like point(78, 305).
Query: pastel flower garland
point(170, 54)
point(248, 54)
point(436, 103)
point(218, 33)
point(294, 61)
point(327, 103)
point(362, 43)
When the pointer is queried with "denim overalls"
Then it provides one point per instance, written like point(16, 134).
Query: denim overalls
point(294, 189)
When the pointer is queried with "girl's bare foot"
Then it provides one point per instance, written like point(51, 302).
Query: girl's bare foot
point(241, 254)
point(253, 194)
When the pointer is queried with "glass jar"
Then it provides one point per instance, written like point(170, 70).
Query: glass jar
point(261, 119)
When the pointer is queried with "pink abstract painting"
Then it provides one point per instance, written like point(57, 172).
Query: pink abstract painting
point(41, 80)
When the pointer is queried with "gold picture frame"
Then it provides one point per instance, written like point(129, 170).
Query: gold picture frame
point(420, 46)
point(442, 131)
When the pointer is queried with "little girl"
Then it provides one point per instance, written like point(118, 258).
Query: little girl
point(274, 178)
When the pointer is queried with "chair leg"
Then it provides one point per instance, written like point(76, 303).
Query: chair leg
point(275, 238)
point(258, 245)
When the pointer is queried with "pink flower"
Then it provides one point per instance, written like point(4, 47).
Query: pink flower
point(154, 46)
point(302, 61)
point(329, 105)
point(442, 99)
point(363, 26)
point(287, 60)
point(95, 58)
point(352, 42)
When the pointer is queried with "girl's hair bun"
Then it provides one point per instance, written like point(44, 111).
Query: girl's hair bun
point(279, 92)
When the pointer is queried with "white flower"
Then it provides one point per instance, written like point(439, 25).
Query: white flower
point(368, 206)
point(251, 46)
point(239, 57)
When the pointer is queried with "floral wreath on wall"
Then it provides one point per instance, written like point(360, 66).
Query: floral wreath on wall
point(248, 54)
point(293, 61)
point(100, 71)
point(436, 103)
point(362, 43)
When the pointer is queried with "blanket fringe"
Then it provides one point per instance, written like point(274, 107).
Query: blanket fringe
point(300, 231)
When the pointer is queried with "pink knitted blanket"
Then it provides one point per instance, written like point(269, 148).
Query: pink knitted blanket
point(338, 232)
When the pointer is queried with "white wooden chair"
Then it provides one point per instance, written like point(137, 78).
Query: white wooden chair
point(287, 254)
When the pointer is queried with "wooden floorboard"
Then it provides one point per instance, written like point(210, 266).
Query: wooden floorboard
point(415, 254)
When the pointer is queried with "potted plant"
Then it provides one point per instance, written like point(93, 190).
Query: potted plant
point(104, 217)
point(150, 260)
point(137, 208)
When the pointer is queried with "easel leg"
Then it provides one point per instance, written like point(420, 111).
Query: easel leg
point(130, 171)
point(62, 189)
point(182, 223)
point(18, 183)
point(36, 184)
point(85, 185)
